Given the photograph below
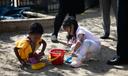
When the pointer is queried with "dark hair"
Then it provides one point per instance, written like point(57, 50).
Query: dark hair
point(36, 28)
point(68, 23)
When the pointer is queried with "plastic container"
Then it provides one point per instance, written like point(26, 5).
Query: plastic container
point(56, 56)
point(38, 66)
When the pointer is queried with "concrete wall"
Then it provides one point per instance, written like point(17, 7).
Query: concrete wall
point(23, 24)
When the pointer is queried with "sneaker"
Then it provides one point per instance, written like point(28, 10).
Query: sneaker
point(76, 64)
point(117, 61)
point(106, 36)
point(54, 38)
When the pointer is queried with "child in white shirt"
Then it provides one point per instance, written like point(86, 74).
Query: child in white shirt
point(84, 43)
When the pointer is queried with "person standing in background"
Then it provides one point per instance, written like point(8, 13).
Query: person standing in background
point(105, 6)
point(66, 7)
point(122, 29)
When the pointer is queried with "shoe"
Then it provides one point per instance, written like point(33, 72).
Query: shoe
point(76, 64)
point(117, 61)
point(54, 38)
point(105, 36)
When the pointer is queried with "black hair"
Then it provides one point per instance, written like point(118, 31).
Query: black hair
point(68, 23)
point(36, 28)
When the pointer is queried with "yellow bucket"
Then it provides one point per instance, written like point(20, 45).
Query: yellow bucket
point(38, 66)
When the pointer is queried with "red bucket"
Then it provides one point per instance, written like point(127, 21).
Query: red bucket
point(57, 56)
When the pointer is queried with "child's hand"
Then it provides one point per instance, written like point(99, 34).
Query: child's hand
point(71, 52)
point(41, 54)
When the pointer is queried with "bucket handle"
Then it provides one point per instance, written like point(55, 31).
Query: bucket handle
point(53, 59)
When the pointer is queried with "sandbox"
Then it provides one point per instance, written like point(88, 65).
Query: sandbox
point(13, 25)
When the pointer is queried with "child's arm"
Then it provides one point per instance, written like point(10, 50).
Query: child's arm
point(78, 43)
point(44, 46)
point(17, 54)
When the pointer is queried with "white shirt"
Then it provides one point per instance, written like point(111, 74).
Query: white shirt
point(87, 34)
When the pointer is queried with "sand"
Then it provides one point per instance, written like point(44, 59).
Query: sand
point(91, 19)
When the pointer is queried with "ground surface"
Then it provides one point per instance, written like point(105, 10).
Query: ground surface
point(91, 19)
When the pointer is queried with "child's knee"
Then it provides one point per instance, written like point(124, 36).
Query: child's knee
point(88, 42)
point(91, 45)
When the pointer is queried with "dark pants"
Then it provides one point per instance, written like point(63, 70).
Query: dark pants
point(122, 30)
point(59, 20)
point(105, 8)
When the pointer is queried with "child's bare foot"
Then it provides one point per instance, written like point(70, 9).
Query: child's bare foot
point(76, 64)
